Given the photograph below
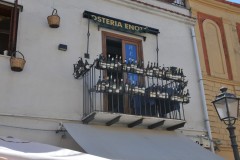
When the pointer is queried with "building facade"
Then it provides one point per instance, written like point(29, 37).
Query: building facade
point(38, 102)
point(217, 33)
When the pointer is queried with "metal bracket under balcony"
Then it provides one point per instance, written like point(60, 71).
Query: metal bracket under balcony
point(130, 121)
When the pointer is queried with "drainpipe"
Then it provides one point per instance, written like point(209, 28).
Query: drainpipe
point(203, 98)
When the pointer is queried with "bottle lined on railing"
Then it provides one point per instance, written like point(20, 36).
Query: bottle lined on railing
point(111, 63)
point(131, 66)
point(176, 95)
point(115, 63)
point(158, 91)
point(101, 62)
point(114, 86)
point(80, 68)
point(109, 85)
point(180, 97)
point(186, 97)
point(166, 92)
point(174, 73)
point(134, 88)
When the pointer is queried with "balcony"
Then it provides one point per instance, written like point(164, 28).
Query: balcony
point(156, 101)
point(180, 3)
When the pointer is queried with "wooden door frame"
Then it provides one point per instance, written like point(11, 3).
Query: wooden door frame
point(131, 40)
point(124, 39)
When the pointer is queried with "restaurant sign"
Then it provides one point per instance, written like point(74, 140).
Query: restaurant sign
point(117, 24)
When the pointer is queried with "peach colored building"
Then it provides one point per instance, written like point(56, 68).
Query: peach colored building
point(218, 39)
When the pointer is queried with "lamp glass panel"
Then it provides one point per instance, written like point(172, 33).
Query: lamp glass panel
point(233, 107)
point(221, 108)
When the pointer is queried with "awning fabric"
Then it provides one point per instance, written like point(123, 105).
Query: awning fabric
point(16, 149)
point(125, 143)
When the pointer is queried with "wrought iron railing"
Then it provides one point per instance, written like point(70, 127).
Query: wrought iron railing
point(109, 87)
point(175, 2)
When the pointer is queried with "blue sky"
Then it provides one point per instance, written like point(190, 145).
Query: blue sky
point(236, 1)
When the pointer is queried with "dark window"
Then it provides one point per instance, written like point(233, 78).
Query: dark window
point(8, 28)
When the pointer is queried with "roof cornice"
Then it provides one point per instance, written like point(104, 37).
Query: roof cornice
point(157, 10)
point(229, 3)
point(220, 4)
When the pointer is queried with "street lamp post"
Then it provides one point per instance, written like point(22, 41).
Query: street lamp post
point(227, 107)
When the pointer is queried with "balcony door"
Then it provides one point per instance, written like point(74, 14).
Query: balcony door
point(125, 48)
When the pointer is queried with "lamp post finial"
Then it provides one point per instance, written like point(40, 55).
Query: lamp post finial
point(223, 89)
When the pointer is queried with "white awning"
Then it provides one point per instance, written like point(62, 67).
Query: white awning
point(125, 143)
point(15, 149)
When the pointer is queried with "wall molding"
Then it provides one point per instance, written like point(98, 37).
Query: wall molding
point(201, 18)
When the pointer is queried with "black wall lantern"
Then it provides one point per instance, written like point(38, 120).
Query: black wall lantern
point(227, 107)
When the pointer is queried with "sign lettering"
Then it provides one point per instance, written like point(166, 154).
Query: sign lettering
point(118, 24)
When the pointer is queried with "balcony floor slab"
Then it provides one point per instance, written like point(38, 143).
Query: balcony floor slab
point(120, 119)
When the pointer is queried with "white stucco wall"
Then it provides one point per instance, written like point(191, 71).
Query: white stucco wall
point(46, 88)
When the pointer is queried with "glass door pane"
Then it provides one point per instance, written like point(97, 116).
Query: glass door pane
point(131, 57)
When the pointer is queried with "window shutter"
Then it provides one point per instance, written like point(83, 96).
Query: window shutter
point(13, 27)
